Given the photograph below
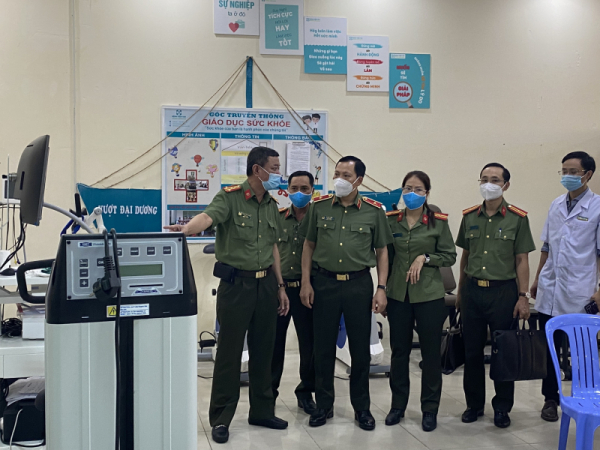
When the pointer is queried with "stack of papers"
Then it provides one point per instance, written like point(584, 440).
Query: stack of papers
point(25, 389)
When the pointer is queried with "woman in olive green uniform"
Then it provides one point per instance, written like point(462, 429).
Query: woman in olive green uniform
point(422, 244)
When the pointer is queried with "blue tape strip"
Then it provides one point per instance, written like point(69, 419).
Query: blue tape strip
point(249, 65)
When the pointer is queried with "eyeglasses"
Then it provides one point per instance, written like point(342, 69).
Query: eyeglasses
point(571, 171)
point(491, 180)
point(417, 191)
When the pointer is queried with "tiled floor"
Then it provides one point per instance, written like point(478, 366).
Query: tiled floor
point(528, 430)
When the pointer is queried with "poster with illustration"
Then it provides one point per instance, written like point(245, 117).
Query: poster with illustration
point(325, 45)
point(235, 17)
point(207, 150)
point(410, 80)
point(368, 64)
point(282, 27)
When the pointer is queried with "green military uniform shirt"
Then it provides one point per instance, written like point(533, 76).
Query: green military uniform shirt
point(422, 239)
point(290, 244)
point(246, 229)
point(346, 236)
point(493, 242)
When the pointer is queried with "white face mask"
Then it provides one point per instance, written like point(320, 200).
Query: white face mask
point(490, 191)
point(342, 187)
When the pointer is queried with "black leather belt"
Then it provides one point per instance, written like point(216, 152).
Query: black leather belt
point(344, 276)
point(253, 273)
point(490, 283)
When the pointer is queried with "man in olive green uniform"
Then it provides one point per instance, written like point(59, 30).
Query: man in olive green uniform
point(247, 225)
point(493, 287)
point(346, 235)
point(300, 189)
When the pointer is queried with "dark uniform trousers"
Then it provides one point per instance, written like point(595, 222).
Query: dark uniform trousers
point(482, 307)
point(303, 322)
point(430, 317)
point(354, 299)
point(550, 383)
point(249, 304)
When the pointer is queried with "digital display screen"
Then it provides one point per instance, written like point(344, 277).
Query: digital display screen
point(141, 270)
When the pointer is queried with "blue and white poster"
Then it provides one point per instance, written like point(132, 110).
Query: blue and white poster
point(281, 27)
point(125, 210)
point(325, 49)
point(410, 80)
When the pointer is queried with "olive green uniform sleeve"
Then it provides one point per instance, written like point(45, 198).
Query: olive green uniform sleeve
point(445, 250)
point(310, 224)
point(383, 234)
point(524, 241)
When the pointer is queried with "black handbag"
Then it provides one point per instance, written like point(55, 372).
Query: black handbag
point(453, 346)
point(518, 354)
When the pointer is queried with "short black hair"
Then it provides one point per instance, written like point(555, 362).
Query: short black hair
point(359, 166)
point(260, 156)
point(316, 116)
point(505, 172)
point(305, 118)
point(302, 173)
point(587, 162)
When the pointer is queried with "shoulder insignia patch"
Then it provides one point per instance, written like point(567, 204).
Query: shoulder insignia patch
point(393, 213)
point(517, 211)
point(440, 216)
point(470, 210)
point(233, 188)
point(372, 202)
point(322, 197)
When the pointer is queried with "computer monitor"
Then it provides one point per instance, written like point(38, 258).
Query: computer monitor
point(31, 180)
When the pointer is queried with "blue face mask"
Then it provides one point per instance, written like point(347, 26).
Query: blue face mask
point(299, 199)
point(413, 201)
point(273, 181)
point(571, 182)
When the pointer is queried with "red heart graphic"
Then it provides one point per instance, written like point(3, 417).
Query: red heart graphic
point(234, 26)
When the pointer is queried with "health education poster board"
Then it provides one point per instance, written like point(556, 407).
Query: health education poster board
point(281, 27)
point(236, 17)
point(410, 80)
point(214, 153)
point(368, 64)
point(325, 45)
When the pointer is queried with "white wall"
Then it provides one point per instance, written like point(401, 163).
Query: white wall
point(513, 81)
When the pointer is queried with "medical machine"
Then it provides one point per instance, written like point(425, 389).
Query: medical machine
point(120, 334)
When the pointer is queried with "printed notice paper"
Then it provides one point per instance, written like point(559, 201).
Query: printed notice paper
point(409, 80)
point(281, 27)
point(368, 64)
point(325, 45)
point(298, 157)
point(236, 17)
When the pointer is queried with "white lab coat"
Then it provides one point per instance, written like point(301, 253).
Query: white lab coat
point(570, 276)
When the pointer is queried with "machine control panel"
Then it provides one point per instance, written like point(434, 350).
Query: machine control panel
point(148, 266)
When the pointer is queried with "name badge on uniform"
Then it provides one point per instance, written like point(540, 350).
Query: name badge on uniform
point(397, 235)
point(327, 218)
point(585, 219)
point(245, 215)
point(474, 227)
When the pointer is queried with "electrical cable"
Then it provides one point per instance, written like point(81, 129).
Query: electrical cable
point(235, 73)
point(298, 119)
point(20, 242)
point(119, 406)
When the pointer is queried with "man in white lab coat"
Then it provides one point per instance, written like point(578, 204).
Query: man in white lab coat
point(567, 277)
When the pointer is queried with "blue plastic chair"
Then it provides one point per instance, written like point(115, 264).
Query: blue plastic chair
point(584, 404)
